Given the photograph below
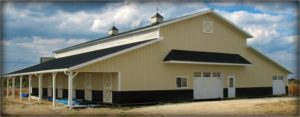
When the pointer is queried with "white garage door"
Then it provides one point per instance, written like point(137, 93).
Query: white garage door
point(278, 85)
point(208, 86)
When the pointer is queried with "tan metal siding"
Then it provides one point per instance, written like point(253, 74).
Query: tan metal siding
point(143, 69)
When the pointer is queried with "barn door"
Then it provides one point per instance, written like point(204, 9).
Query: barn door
point(88, 87)
point(231, 87)
point(208, 86)
point(107, 87)
point(59, 87)
point(49, 86)
point(278, 85)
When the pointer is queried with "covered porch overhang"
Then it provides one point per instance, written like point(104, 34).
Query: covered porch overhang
point(39, 74)
point(69, 65)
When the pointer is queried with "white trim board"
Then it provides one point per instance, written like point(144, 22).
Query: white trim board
point(38, 72)
point(206, 63)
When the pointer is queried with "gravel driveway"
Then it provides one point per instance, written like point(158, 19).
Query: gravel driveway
point(257, 106)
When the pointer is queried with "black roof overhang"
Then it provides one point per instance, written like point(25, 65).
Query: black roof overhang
point(199, 57)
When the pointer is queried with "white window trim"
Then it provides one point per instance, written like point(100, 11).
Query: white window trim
point(279, 75)
point(206, 77)
point(200, 74)
point(211, 74)
point(181, 82)
point(233, 77)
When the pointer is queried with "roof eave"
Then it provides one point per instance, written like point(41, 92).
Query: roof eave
point(248, 35)
point(288, 71)
point(37, 72)
point(206, 63)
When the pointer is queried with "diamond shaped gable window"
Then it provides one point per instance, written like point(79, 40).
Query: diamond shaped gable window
point(208, 26)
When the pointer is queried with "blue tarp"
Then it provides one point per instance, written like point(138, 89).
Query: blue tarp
point(75, 101)
point(25, 94)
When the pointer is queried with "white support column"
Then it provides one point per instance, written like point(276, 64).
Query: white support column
point(54, 88)
point(20, 89)
point(7, 87)
point(30, 88)
point(70, 90)
point(13, 87)
point(40, 87)
point(70, 86)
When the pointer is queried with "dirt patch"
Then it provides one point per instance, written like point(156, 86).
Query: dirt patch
point(240, 107)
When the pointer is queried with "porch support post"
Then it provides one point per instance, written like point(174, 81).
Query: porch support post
point(13, 87)
point(7, 87)
point(70, 86)
point(30, 87)
point(54, 88)
point(40, 87)
point(69, 90)
point(20, 89)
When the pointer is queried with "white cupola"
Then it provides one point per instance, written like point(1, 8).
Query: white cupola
point(113, 31)
point(157, 18)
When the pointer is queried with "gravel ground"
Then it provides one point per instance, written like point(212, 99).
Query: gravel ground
point(274, 106)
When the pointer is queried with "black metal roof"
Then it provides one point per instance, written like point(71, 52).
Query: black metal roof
point(198, 56)
point(70, 61)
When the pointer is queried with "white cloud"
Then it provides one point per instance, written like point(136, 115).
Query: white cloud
point(291, 39)
point(41, 46)
point(225, 3)
point(285, 58)
point(263, 27)
point(284, 8)
point(126, 15)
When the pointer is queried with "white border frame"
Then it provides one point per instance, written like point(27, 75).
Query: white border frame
point(187, 82)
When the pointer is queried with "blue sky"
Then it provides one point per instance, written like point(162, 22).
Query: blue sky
point(34, 29)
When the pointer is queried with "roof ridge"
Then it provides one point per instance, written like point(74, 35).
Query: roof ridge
point(121, 33)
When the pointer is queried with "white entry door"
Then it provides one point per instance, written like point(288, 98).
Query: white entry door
point(49, 90)
point(278, 85)
point(59, 87)
point(107, 87)
point(231, 87)
point(208, 87)
point(88, 87)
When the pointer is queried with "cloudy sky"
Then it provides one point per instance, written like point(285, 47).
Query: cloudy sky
point(34, 29)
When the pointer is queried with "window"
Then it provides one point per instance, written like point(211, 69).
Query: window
point(230, 82)
point(181, 82)
point(197, 74)
point(280, 77)
point(207, 26)
point(216, 74)
point(206, 74)
point(274, 77)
